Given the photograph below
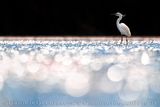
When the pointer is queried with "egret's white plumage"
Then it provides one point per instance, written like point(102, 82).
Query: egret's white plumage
point(123, 28)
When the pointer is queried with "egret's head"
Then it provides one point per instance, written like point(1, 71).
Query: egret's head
point(119, 14)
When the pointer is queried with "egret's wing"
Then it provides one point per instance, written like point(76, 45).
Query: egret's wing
point(125, 29)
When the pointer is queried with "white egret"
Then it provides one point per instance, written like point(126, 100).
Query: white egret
point(123, 28)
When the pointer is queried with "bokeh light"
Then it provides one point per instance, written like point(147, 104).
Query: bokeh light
point(117, 72)
point(145, 58)
point(77, 84)
point(80, 69)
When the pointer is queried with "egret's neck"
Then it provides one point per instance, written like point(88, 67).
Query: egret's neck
point(118, 20)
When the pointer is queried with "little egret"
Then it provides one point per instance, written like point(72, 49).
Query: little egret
point(123, 28)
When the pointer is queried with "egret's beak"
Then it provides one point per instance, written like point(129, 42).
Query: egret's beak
point(124, 15)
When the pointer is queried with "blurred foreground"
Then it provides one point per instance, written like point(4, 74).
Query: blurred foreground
point(79, 73)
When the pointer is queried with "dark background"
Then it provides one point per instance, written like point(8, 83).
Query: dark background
point(43, 17)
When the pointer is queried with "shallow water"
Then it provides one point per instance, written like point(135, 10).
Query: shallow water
point(79, 74)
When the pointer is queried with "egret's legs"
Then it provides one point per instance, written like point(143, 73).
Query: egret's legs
point(126, 40)
point(121, 39)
